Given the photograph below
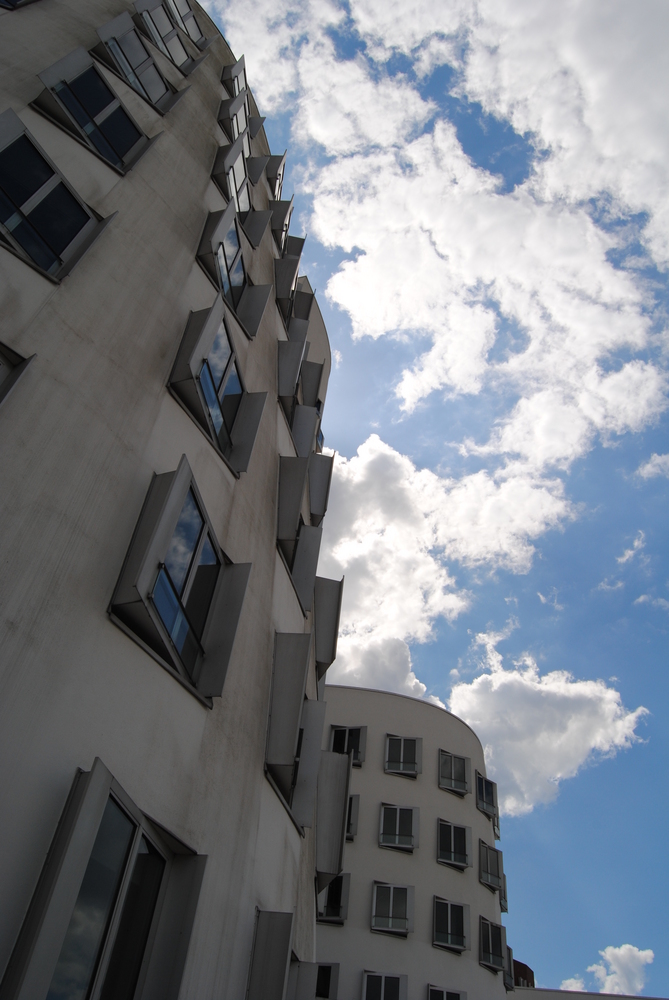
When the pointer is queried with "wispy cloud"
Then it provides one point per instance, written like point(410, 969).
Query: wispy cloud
point(638, 544)
point(608, 585)
point(655, 602)
point(551, 599)
point(657, 465)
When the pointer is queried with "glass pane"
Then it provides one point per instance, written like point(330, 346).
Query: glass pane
point(184, 542)
point(102, 146)
point(333, 905)
point(153, 83)
point(166, 601)
point(349, 813)
point(162, 21)
point(219, 355)
point(193, 29)
point(339, 741)
point(373, 988)
point(446, 767)
point(391, 988)
point(231, 245)
point(133, 931)
point(120, 132)
point(223, 271)
point(444, 840)
point(496, 940)
point(485, 937)
point(460, 843)
point(323, 980)
point(354, 743)
point(58, 218)
point(93, 909)
point(176, 50)
point(176, 14)
point(237, 278)
point(394, 750)
point(211, 398)
point(389, 828)
point(440, 920)
point(452, 996)
point(92, 92)
point(183, 7)
point(382, 901)
point(409, 754)
point(36, 248)
point(399, 904)
point(243, 201)
point(202, 587)
point(153, 31)
point(459, 770)
point(22, 171)
point(133, 48)
point(406, 827)
point(239, 172)
point(436, 994)
point(127, 69)
point(457, 921)
point(231, 397)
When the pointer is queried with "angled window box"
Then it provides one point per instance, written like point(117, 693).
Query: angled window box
point(157, 21)
point(293, 474)
point(255, 166)
point(308, 763)
point(207, 381)
point(78, 98)
point(178, 595)
point(42, 220)
point(455, 773)
point(399, 827)
point(289, 680)
point(282, 212)
point(349, 740)
point(233, 77)
point(404, 756)
point(393, 908)
point(331, 810)
point(220, 256)
point(491, 869)
point(492, 945)
point(332, 902)
point(122, 50)
point(184, 17)
point(229, 174)
point(451, 925)
point(381, 986)
point(233, 117)
point(486, 801)
point(274, 172)
point(130, 885)
point(320, 477)
point(270, 957)
point(12, 367)
point(454, 845)
point(290, 355)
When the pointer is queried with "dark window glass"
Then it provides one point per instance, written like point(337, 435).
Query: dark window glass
point(459, 770)
point(389, 823)
point(93, 909)
point(394, 751)
point(219, 355)
point(374, 988)
point(35, 247)
point(349, 815)
point(399, 906)
point(496, 940)
point(153, 83)
point(161, 20)
point(459, 844)
point(133, 49)
point(452, 996)
point(445, 840)
point(354, 743)
point(202, 587)
point(436, 994)
point(211, 399)
point(173, 616)
point(22, 171)
point(339, 741)
point(120, 132)
point(405, 827)
point(92, 92)
point(323, 980)
point(485, 938)
point(441, 920)
point(391, 988)
point(333, 903)
point(231, 397)
point(231, 245)
point(58, 218)
point(135, 923)
point(409, 751)
point(184, 542)
point(383, 902)
point(457, 923)
point(176, 50)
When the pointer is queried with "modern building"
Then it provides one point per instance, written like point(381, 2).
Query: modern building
point(163, 635)
point(417, 912)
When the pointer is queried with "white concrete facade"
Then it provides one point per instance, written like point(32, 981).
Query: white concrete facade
point(353, 942)
point(86, 429)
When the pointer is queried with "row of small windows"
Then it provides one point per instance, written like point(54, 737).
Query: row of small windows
point(404, 756)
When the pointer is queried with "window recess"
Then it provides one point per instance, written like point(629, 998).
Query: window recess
point(492, 945)
point(332, 902)
point(122, 50)
point(437, 993)
point(392, 908)
point(350, 739)
point(270, 956)
point(454, 845)
point(455, 773)
point(207, 381)
point(486, 801)
point(221, 258)
point(229, 174)
point(334, 775)
point(274, 171)
point(380, 986)
point(158, 22)
point(286, 270)
point(491, 873)
point(311, 980)
point(79, 99)
point(12, 367)
point(184, 17)
point(233, 117)
point(404, 756)
point(352, 817)
point(451, 925)
point(114, 905)
point(42, 220)
point(399, 827)
point(281, 215)
point(233, 77)
point(178, 595)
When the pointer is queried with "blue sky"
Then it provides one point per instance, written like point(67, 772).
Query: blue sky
point(485, 191)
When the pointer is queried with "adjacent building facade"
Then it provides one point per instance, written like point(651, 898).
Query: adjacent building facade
point(163, 634)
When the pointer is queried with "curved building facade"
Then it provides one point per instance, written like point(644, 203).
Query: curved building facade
point(417, 911)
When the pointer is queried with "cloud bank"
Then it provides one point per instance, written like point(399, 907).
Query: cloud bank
point(623, 971)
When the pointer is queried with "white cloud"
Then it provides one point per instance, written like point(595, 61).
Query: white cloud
point(623, 969)
point(337, 357)
point(657, 465)
point(605, 585)
point(656, 602)
point(576, 983)
point(539, 729)
point(638, 544)
point(551, 599)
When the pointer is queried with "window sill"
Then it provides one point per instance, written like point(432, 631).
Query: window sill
point(491, 968)
point(460, 792)
point(403, 774)
point(397, 847)
point(454, 949)
point(390, 931)
point(333, 921)
point(455, 865)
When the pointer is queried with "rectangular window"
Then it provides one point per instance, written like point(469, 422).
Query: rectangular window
point(398, 827)
point(117, 890)
point(185, 19)
point(503, 901)
point(231, 271)
point(403, 755)
point(165, 35)
point(454, 772)
point(40, 216)
point(350, 740)
point(378, 986)
point(333, 900)
point(391, 908)
point(490, 862)
point(486, 800)
point(453, 845)
point(131, 58)
point(352, 816)
point(449, 925)
point(221, 387)
point(436, 993)
point(493, 945)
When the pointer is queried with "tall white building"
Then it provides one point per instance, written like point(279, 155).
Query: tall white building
point(163, 634)
point(417, 912)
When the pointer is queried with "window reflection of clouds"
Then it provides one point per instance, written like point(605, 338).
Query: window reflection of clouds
point(231, 245)
point(219, 355)
point(184, 542)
